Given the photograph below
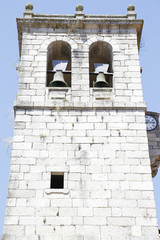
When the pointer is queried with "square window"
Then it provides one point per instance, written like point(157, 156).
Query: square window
point(57, 180)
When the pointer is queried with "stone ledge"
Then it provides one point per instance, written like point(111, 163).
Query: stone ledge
point(102, 89)
point(56, 191)
point(101, 105)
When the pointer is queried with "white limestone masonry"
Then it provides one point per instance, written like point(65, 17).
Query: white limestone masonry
point(96, 137)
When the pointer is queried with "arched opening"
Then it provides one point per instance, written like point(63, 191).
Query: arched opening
point(101, 53)
point(59, 50)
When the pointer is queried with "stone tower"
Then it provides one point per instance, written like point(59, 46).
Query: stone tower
point(80, 166)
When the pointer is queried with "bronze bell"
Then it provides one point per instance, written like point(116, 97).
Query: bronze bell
point(58, 80)
point(101, 81)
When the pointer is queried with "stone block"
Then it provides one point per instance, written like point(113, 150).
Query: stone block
point(21, 193)
point(20, 211)
point(68, 212)
point(121, 221)
point(11, 220)
point(94, 221)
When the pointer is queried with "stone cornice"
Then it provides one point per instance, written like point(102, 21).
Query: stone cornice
point(79, 106)
point(53, 16)
point(70, 22)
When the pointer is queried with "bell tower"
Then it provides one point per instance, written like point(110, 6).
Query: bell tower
point(80, 166)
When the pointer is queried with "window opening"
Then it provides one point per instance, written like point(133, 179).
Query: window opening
point(57, 181)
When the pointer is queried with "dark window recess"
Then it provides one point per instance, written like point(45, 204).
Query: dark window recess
point(57, 181)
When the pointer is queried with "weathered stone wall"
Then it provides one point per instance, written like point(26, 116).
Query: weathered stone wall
point(100, 145)
point(104, 155)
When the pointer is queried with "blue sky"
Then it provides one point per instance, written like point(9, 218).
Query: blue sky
point(149, 60)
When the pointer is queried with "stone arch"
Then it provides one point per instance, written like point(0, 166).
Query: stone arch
point(101, 52)
point(109, 40)
point(47, 42)
point(43, 51)
point(59, 51)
